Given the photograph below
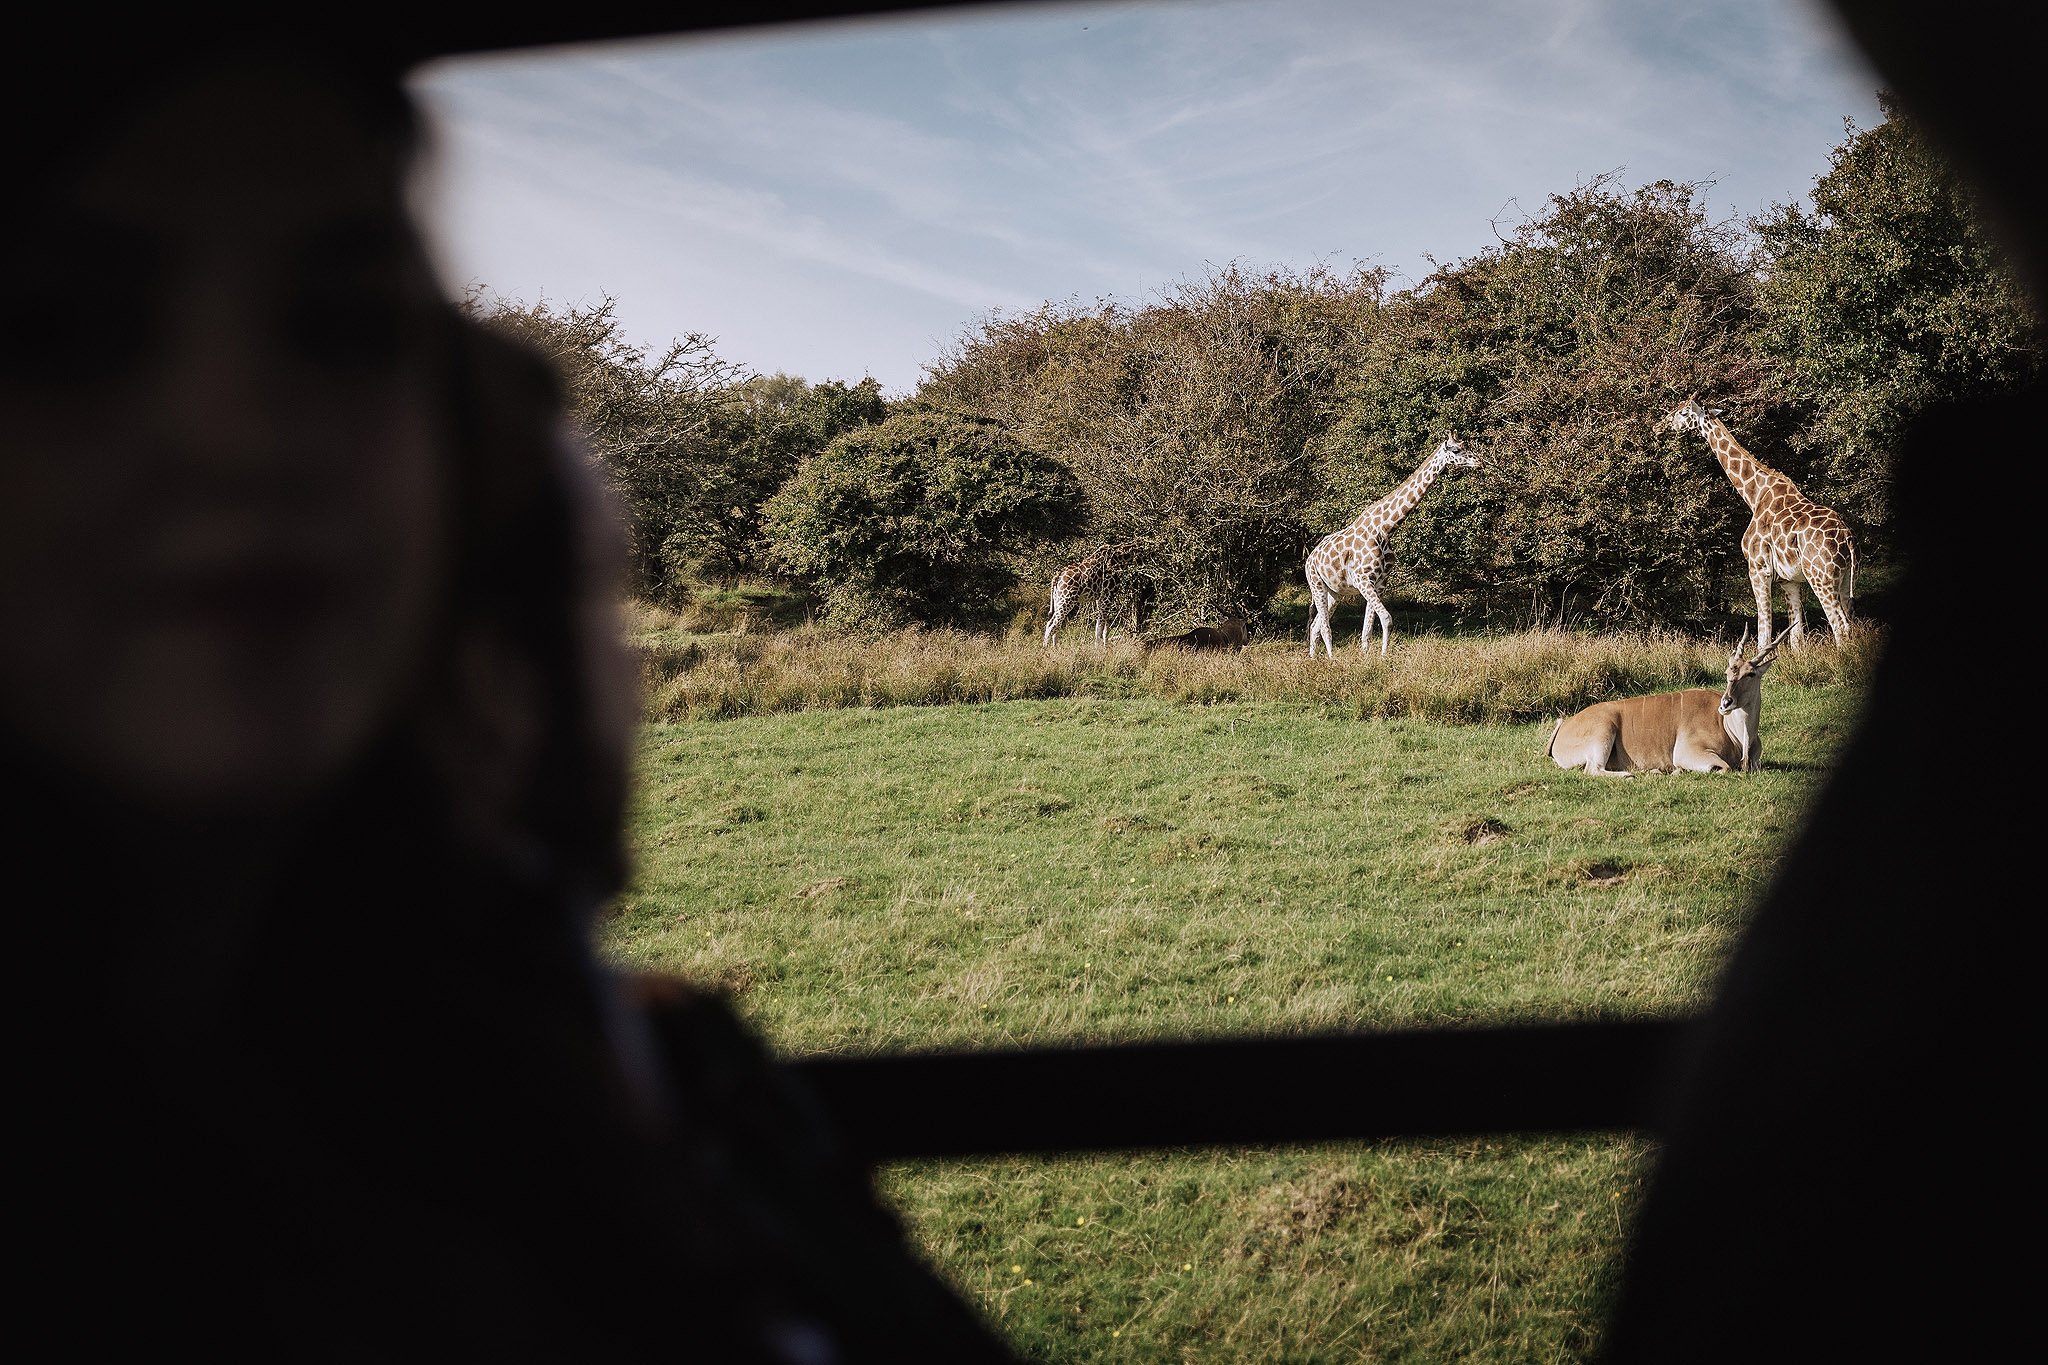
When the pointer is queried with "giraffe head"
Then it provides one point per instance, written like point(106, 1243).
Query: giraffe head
point(1451, 455)
point(1690, 416)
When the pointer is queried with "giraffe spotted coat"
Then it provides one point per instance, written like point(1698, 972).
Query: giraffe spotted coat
point(1356, 556)
point(1791, 539)
point(1096, 578)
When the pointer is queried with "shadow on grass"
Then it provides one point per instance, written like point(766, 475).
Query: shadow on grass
point(1287, 617)
point(746, 605)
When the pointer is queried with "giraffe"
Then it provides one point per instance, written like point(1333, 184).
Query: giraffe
point(1100, 575)
point(1357, 555)
point(1791, 538)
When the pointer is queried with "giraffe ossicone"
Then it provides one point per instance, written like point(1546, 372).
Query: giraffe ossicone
point(1791, 539)
point(1356, 556)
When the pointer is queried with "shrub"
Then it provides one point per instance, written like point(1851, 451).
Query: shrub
point(774, 423)
point(918, 518)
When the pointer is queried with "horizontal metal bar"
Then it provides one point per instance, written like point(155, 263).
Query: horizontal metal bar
point(1247, 1091)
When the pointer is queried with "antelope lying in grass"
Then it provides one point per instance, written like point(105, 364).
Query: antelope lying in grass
point(1698, 730)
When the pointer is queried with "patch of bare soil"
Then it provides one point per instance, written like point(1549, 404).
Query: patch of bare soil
point(1293, 1213)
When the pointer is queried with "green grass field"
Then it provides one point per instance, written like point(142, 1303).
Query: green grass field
point(1111, 868)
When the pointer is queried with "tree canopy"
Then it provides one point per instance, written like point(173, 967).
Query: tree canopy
point(693, 445)
point(1882, 297)
point(1551, 355)
point(1187, 422)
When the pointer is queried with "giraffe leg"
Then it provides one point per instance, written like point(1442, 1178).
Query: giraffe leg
point(1795, 612)
point(1375, 610)
point(1760, 584)
point(1834, 608)
point(1056, 615)
point(1324, 602)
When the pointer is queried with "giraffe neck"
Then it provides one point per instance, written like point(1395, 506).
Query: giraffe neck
point(1752, 477)
point(1397, 504)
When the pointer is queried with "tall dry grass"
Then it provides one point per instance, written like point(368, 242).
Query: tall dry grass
point(1452, 679)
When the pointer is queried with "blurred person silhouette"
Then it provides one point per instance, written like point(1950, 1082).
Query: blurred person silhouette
point(314, 720)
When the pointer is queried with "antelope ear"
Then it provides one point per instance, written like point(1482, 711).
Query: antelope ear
point(1715, 412)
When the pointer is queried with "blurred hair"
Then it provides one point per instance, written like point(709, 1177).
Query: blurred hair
point(514, 714)
point(96, 81)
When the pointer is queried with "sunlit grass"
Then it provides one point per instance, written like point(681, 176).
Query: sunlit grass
point(1095, 868)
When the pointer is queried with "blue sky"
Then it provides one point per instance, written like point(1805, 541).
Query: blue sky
point(845, 199)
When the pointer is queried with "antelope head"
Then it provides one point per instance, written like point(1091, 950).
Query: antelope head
point(1745, 676)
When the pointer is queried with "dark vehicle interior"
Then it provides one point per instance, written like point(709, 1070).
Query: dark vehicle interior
point(1832, 1178)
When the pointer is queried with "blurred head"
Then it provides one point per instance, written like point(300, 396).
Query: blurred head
point(223, 431)
point(272, 512)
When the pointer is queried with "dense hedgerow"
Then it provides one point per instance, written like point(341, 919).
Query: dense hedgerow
point(1216, 432)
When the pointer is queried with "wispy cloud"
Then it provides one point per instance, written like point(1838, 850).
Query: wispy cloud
point(840, 199)
point(557, 146)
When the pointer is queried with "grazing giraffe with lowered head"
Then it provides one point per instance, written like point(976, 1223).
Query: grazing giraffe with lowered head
point(1357, 555)
point(1098, 576)
point(1791, 538)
